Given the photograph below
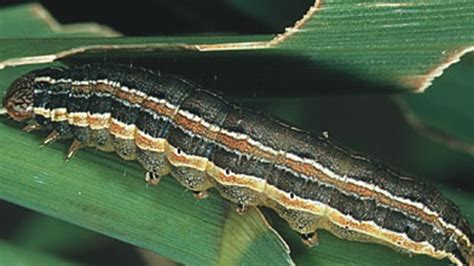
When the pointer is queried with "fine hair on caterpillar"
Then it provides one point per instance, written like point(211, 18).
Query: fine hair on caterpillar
point(172, 126)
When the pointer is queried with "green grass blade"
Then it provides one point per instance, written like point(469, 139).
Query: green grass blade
point(405, 44)
point(445, 112)
point(33, 21)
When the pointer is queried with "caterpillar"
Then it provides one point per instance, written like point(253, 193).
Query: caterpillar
point(172, 126)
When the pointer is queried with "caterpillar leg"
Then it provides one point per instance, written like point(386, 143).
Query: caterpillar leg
point(75, 146)
point(61, 130)
point(102, 140)
point(82, 138)
point(125, 148)
point(241, 209)
point(310, 239)
point(242, 196)
point(52, 137)
point(153, 162)
point(200, 195)
point(152, 178)
point(304, 223)
point(192, 179)
point(33, 126)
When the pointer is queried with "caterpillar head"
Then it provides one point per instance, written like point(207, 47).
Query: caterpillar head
point(18, 101)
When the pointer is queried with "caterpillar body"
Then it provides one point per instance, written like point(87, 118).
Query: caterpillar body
point(171, 126)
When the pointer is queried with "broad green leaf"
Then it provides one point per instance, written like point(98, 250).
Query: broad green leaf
point(395, 45)
point(446, 111)
point(33, 21)
point(406, 42)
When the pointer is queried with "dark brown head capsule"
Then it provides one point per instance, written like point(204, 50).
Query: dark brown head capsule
point(18, 101)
